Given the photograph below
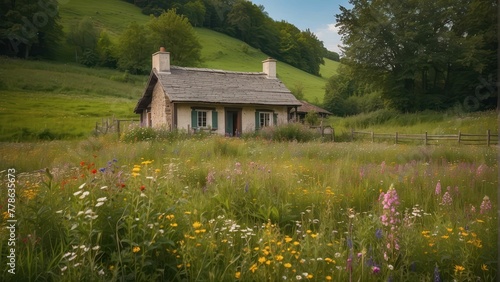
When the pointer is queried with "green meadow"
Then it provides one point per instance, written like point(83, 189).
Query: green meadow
point(224, 209)
point(80, 207)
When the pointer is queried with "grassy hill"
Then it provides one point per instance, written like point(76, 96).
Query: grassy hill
point(61, 99)
point(219, 50)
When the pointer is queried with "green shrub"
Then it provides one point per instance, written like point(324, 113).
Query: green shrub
point(288, 132)
point(137, 134)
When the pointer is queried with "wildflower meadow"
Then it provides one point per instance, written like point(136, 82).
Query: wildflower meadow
point(225, 209)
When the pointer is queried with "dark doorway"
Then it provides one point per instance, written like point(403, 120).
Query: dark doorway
point(233, 122)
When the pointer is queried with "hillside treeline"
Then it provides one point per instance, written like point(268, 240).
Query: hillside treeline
point(415, 55)
point(250, 23)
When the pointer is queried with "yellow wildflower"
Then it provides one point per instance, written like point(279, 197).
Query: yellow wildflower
point(287, 265)
point(329, 278)
point(445, 237)
point(146, 162)
point(262, 259)
point(173, 224)
point(196, 225)
point(136, 249)
point(484, 267)
point(136, 169)
point(237, 275)
point(288, 239)
point(296, 243)
point(253, 268)
point(314, 235)
point(459, 268)
point(279, 257)
point(310, 276)
point(449, 229)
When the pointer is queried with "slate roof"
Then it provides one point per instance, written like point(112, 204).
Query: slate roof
point(195, 85)
point(307, 107)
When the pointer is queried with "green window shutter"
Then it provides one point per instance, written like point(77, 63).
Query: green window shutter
point(215, 120)
point(275, 119)
point(194, 119)
point(257, 120)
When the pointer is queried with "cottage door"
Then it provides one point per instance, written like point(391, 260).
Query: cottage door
point(232, 123)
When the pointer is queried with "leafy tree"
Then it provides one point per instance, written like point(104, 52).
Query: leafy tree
point(135, 50)
point(312, 52)
point(298, 91)
point(420, 53)
point(84, 37)
point(29, 27)
point(105, 50)
point(195, 12)
point(175, 33)
point(334, 56)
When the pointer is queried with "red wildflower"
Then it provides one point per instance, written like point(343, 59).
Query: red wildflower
point(82, 163)
point(94, 171)
point(143, 187)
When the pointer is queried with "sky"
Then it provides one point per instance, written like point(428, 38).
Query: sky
point(317, 16)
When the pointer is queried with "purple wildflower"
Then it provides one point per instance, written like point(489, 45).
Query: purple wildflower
point(379, 234)
point(485, 205)
point(437, 275)
point(375, 269)
point(447, 200)
point(438, 188)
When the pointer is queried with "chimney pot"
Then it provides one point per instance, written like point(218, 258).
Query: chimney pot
point(162, 49)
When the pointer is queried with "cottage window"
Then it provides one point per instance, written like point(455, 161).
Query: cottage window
point(265, 119)
point(202, 118)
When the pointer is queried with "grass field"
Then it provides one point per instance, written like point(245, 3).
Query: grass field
point(222, 209)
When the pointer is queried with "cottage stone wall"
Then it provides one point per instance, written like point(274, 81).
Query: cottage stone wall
point(161, 109)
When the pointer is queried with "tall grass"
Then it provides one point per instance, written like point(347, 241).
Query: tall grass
point(390, 121)
point(224, 209)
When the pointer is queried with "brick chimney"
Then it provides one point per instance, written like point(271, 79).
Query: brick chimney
point(161, 61)
point(269, 68)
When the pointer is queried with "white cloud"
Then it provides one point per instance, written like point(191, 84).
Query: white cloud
point(330, 37)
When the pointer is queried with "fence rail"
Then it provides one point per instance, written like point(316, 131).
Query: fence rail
point(112, 125)
point(428, 139)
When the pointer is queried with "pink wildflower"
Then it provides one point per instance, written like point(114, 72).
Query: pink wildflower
point(485, 205)
point(210, 177)
point(447, 200)
point(438, 188)
point(389, 202)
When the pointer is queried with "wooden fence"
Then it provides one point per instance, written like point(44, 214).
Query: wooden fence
point(326, 132)
point(428, 139)
point(112, 125)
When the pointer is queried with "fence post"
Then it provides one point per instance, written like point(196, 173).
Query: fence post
point(425, 138)
point(118, 127)
point(396, 137)
point(459, 136)
point(333, 134)
point(373, 137)
point(488, 136)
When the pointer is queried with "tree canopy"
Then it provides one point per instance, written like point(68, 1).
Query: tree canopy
point(29, 27)
point(422, 54)
point(169, 30)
